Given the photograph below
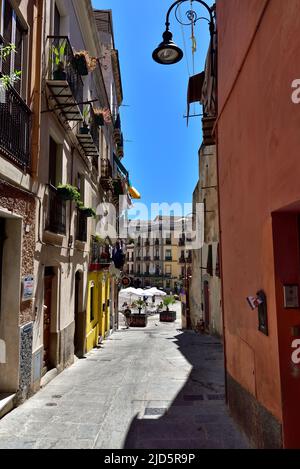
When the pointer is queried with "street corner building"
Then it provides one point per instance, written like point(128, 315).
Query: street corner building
point(258, 143)
point(61, 145)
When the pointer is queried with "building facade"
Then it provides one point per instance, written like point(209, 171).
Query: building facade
point(205, 286)
point(19, 120)
point(159, 255)
point(258, 166)
point(61, 176)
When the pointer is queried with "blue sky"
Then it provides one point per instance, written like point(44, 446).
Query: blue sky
point(162, 155)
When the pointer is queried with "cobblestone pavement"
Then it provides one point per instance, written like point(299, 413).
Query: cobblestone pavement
point(153, 388)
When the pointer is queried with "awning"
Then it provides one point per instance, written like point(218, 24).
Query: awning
point(134, 193)
point(194, 94)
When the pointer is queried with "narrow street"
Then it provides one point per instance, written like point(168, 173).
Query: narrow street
point(148, 388)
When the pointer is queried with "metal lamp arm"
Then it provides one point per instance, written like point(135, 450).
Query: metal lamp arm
point(183, 1)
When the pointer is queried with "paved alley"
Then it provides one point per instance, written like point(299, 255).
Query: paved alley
point(148, 388)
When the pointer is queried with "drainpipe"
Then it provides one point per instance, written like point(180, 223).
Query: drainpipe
point(37, 89)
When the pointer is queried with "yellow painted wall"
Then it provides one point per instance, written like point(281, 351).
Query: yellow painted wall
point(100, 323)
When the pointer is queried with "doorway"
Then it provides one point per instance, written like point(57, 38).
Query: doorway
point(206, 305)
point(78, 317)
point(48, 290)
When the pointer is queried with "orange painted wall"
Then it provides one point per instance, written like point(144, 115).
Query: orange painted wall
point(259, 173)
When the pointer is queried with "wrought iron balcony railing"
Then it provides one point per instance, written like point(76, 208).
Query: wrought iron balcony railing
point(15, 127)
point(81, 232)
point(56, 219)
point(64, 79)
point(168, 258)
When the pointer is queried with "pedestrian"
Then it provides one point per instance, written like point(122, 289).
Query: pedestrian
point(127, 314)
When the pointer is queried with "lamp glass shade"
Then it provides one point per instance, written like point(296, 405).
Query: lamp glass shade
point(167, 53)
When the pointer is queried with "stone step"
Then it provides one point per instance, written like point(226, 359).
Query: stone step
point(6, 403)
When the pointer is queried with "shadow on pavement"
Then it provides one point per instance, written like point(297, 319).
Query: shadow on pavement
point(198, 416)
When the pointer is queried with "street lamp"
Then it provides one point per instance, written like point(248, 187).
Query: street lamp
point(168, 53)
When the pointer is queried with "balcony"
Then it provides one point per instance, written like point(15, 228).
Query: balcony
point(157, 242)
point(168, 241)
point(100, 257)
point(88, 137)
point(168, 258)
point(106, 174)
point(15, 128)
point(156, 258)
point(138, 258)
point(56, 219)
point(81, 231)
point(182, 260)
point(63, 80)
point(147, 258)
point(181, 242)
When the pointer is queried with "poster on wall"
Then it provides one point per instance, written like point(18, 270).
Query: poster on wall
point(27, 287)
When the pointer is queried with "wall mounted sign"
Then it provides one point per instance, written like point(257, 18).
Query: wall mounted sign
point(27, 287)
point(291, 296)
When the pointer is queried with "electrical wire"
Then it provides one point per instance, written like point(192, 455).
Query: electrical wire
point(184, 42)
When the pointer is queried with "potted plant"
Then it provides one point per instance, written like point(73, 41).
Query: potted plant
point(87, 211)
point(98, 117)
point(59, 55)
point(68, 192)
point(85, 130)
point(167, 315)
point(13, 77)
point(138, 319)
point(81, 62)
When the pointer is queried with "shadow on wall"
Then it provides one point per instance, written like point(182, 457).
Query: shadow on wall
point(198, 414)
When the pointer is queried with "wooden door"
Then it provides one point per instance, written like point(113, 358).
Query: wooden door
point(48, 281)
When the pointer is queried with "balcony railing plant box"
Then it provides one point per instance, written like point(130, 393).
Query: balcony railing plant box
point(68, 192)
point(167, 316)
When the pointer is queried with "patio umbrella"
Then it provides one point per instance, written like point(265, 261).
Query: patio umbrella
point(156, 292)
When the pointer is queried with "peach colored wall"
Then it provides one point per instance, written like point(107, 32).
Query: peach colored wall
point(259, 169)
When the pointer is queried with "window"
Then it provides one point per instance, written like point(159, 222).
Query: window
point(168, 269)
point(57, 21)
point(168, 253)
point(13, 33)
point(53, 163)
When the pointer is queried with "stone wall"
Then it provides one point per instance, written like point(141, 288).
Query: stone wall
point(21, 204)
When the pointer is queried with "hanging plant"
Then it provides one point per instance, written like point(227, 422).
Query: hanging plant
point(84, 63)
point(87, 211)
point(68, 192)
point(98, 117)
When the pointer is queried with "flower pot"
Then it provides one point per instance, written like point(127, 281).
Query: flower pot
point(138, 320)
point(59, 75)
point(81, 65)
point(85, 130)
point(65, 194)
point(99, 120)
point(87, 212)
point(167, 316)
